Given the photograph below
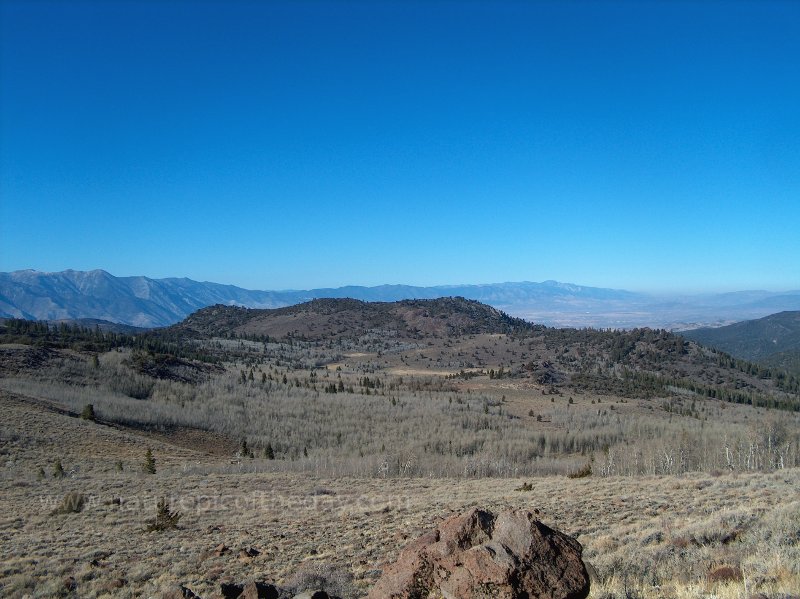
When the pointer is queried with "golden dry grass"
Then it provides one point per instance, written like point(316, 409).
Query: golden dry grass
point(647, 536)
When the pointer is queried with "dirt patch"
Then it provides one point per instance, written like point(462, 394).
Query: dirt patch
point(418, 372)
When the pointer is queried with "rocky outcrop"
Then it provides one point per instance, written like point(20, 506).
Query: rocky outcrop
point(511, 555)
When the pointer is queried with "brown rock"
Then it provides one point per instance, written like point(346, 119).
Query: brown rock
point(179, 592)
point(248, 554)
point(259, 590)
point(480, 555)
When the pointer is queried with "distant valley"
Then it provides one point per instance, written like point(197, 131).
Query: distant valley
point(145, 302)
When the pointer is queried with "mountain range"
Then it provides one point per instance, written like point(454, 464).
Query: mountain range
point(145, 302)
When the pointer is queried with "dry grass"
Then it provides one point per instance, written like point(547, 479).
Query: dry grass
point(653, 537)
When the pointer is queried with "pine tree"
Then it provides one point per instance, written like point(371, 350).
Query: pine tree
point(165, 519)
point(244, 450)
point(149, 464)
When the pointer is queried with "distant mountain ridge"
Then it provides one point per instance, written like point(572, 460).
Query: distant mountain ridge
point(144, 302)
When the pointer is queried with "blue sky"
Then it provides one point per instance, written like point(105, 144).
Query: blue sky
point(642, 145)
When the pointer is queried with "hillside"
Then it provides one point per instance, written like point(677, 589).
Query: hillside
point(773, 340)
point(472, 339)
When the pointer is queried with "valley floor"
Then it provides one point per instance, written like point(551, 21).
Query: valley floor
point(695, 535)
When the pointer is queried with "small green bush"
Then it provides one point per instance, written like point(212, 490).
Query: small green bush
point(58, 470)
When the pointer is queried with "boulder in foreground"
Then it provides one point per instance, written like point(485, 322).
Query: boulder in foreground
point(511, 555)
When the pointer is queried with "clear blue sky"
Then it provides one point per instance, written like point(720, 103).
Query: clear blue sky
point(639, 145)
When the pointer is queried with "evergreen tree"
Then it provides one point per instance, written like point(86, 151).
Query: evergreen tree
point(244, 450)
point(165, 519)
point(149, 464)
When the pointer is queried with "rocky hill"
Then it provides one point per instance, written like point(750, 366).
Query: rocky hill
point(323, 319)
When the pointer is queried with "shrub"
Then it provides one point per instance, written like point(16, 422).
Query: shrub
point(581, 472)
point(724, 574)
point(72, 503)
point(322, 576)
point(58, 470)
point(165, 519)
point(88, 413)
